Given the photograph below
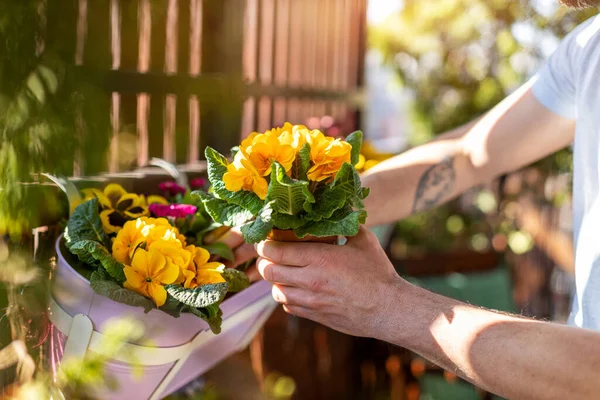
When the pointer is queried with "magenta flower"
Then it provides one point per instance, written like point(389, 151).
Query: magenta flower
point(171, 188)
point(197, 183)
point(172, 210)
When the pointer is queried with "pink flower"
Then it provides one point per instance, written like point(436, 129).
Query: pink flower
point(171, 188)
point(197, 183)
point(172, 210)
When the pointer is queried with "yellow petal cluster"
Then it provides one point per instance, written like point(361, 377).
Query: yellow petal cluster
point(252, 163)
point(155, 254)
point(119, 206)
point(148, 273)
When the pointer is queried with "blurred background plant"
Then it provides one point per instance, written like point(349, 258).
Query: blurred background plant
point(47, 115)
point(457, 59)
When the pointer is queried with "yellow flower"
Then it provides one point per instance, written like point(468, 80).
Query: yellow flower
point(146, 231)
point(126, 242)
point(200, 271)
point(267, 148)
point(241, 175)
point(174, 253)
point(118, 206)
point(295, 136)
point(149, 271)
point(327, 156)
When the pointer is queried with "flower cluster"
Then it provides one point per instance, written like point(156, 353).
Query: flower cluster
point(253, 162)
point(155, 254)
point(288, 178)
point(145, 251)
point(119, 206)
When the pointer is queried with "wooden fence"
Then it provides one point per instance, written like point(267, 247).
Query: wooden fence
point(184, 74)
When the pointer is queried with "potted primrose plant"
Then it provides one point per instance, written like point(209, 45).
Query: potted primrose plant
point(129, 255)
point(288, 184)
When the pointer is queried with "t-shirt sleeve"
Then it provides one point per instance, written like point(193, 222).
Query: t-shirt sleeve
point(555, 85)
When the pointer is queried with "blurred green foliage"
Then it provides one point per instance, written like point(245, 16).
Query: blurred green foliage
point(47, 115)
point(459, 58)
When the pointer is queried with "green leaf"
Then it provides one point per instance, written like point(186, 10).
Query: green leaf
point(258, 230)
point(237, 280)
point(217, 167)
point(285, 221)
point(328, 200)
point(94, 253)
point(348, 181)
point(173, 307)
point(223, 212)
point(221, 250)
point(208, 314)
point(104, 286)
point(355, 139)
point(85, 224)
point(289, 196)
point(302, 163)
point(344, 222)
point(199, 297)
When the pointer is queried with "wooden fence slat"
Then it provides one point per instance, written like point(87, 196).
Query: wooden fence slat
point(195, 60)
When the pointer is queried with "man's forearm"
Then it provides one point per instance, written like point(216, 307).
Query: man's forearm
point(418, 179)
point(515, 133)
point(510, 356)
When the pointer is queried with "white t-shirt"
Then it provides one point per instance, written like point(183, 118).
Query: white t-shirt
point(569, 85)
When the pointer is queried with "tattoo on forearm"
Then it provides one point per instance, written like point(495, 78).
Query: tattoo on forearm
point(436, 183)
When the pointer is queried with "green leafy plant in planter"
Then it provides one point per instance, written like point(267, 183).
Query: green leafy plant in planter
point(132, 251)
point(289, 178)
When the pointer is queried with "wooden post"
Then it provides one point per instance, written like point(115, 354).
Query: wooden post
point(222, 33)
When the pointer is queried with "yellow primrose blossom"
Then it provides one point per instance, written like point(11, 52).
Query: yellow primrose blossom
point(175, 253)
point(149, 271)
point(295, 136)
point(119, 206)
point(200, 271)
point(267, 148)
point(241, 175)
point(144, 230)
point(327, 156)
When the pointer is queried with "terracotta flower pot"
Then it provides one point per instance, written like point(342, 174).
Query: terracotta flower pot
point(289, 236)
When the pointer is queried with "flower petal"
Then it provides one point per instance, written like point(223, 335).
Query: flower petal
point(141, 290)
point(168, 274)
point(202, 256)
point(206, 276)
point(158, 293)
point(114, 192)
point(140, 263)
point(110, 221)
point(134, 279)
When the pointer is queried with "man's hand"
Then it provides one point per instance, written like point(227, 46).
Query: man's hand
point(242, 252)
point(345, 287)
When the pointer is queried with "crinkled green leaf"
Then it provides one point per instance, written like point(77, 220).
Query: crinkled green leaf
point(237, 280)
point(355, 139)
point(94, 253)
point(212, 315)
point(328, 200)
point(217, 167)
point(285, 221)
point(101, 283)
point(173, 307)
point(343, 223)
point(85, 224)
point(289, 196)
point(302, 162)
point(258, 230)
point(348, 181)
point(199, 297)
point(221, 250)
point(223, 212)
